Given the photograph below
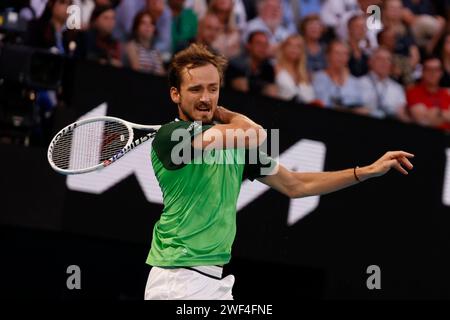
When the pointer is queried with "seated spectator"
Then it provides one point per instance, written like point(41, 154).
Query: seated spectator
point(141, 56)
point(162, 17)
point(99, 44)
point(228, 42)
point(295, 11)
point(426, 26)
point(382, 96)
point(126, 11)
point(184, 25)
point(341, 29)
point(233, 10)
point(50, 30)
point(445, 58)
point(312, 29)
point(333, 11)
point(252, 72)
point(359, 46)
point(428, 103)
point(335, 87)
point(208, 31)
point(404, 41)
point(403, 66)
point(269, 19)
point(292, 77)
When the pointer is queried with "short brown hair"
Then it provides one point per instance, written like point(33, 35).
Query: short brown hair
point(307, 19)
point(194, 56)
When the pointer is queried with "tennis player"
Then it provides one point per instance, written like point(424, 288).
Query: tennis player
point(193, 238)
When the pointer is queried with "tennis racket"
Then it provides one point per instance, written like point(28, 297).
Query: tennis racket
point(94, 143)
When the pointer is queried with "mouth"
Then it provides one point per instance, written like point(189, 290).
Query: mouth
point(203, 109)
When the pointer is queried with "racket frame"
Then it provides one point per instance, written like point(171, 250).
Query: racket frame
point(128, 147)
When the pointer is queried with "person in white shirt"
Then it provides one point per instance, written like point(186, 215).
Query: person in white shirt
point(269, 20)
point(382, 96)
point(292, 78)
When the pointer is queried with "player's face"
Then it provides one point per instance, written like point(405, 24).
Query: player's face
point(198, 95)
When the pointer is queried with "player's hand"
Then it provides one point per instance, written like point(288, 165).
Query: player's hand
point(399, 160)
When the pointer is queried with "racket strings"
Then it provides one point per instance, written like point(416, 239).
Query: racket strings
point(89, 144)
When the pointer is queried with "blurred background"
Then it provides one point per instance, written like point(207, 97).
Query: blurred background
point(344, 81)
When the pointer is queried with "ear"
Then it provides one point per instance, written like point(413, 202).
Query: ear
point(175, 95)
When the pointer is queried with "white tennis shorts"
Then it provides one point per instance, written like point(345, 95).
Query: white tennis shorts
point(195, 283)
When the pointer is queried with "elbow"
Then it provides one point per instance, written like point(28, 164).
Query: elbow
point(255, 135)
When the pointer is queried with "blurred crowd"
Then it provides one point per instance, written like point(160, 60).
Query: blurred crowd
point(329, 53)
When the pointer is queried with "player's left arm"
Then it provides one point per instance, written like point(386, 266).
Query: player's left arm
point(304, 184)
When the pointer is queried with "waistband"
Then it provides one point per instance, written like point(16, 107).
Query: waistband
point(214, 272)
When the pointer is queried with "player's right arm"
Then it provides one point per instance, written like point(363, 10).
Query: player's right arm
point(233, 131)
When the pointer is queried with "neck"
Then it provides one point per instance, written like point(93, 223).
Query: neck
point(254, 63)
point(57, 25)
point(144, 42)
point(378, 76)
point(223, 16)
point(431, 87)
point(337, 74)
point(176, 11)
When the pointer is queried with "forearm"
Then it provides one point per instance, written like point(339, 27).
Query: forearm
point(319, 183)
point(226, 116)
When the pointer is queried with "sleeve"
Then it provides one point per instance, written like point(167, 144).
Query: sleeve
point(174, 140)
point(258, 164)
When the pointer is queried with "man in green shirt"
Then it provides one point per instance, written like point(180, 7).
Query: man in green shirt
point(200, 161)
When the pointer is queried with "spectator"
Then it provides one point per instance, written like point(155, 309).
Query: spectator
point(208, 30)
point(312, 29)
point(292, 77)
point(232, 11)
point(100, 45)
point(88, 6)
point(426, 26)
point(126, 11)
point(228, 42)
point(269, 19)
point(359, 10)
point(335, 87)
point(252, 72)
point(404, 41)
point(50, 30)
point(333, 11)
point(359, 46)
point(403, 66)
point(294, 11)
point(382, 96)
point(184, 25)
point(162, 17)
point(141, 56)
point(428, 103)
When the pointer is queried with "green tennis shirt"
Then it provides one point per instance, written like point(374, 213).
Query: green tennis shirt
point(198, 222)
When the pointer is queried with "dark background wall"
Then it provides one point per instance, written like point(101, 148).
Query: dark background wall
point(396, 222)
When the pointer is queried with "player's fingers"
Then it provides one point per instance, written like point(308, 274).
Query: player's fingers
point(396, 154)
point(398, 167)
point(405, 162)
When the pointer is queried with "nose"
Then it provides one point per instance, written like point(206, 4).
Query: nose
point(205, 96)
